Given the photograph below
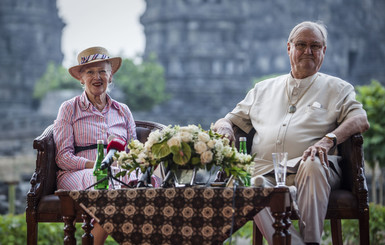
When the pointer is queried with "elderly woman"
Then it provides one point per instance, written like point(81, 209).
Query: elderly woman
point(86, 118)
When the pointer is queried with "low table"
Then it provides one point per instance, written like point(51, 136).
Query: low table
point(190, 215)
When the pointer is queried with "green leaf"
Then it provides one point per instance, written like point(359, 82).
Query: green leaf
point(160, 150)
point(121, 174)
point(181, 155)
point(142, 83)
point(372, 98)
point(195, 160)
point(56, 77)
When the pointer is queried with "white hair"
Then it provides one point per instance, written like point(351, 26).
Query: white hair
point(312, 25)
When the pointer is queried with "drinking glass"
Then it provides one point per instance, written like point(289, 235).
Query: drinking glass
point(114, 171)
point(280, 163)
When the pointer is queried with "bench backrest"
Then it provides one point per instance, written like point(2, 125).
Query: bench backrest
point(44, 178)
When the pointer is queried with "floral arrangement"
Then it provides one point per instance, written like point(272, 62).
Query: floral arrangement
point(185, 147)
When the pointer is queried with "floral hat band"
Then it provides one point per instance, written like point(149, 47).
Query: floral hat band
point(94, 55)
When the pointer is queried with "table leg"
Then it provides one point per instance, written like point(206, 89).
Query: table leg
point(69, 217)
point(279, 236)
point(69, 230)
point(278, 209)
point(287, 223)
point(87, 237)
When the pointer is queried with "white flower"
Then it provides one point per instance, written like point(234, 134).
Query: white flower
point(202, 136)
point(227, 151)
point(154, 137)
point(142, 157)
point(211, 147)
point(206, 157)
point(190, 129)
point(122, 155)
point(243, 158)
point(136, 144)
point(186, 136)
point(246, 158)
point(169, 130)
point(226, 141)
point(211, 144)
point(200, 147)
point(174, 141)
point(148, 146)
point(219, 145)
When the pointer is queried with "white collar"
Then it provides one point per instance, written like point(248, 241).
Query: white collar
point(294, 82)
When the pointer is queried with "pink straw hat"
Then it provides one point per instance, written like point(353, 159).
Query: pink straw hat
point(93, 55)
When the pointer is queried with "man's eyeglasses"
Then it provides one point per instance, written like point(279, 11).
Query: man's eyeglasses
point(303, 46)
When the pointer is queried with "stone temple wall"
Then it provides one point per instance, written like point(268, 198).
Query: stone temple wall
point(30, 38)
point(213, 49)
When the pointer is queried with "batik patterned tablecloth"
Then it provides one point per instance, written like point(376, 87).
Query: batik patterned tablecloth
point(194, 215)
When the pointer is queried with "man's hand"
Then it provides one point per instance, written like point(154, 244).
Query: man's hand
point(320, 149)
point(353, 125)
point(224, 127)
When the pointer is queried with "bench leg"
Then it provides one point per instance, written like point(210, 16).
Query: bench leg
point(364, 228)
point(336, 231)
point(257, 235)
point(32, 229)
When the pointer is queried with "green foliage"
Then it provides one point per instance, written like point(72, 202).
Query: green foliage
point(56, 77)
point(377, 224)
point(350, 229)
point(246, 231)
point(13, 230)
point(372, 98)
point(142, 84)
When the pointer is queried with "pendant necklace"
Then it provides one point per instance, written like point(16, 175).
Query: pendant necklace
point(292, 106)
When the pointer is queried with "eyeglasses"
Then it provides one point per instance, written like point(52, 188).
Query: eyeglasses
point(303, 46)
point(91, 73)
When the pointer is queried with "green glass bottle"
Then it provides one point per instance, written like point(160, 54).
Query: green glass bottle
point(242, 145)
point(243, 149)
point(100, 174)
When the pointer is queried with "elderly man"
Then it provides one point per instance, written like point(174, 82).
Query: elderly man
point(304, 113)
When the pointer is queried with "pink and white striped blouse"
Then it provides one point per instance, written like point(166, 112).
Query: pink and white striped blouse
point(79, 123)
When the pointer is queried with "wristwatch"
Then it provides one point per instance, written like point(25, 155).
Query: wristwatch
point(332, 137)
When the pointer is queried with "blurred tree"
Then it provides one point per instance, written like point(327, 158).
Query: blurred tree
point(56, 77)
point(372, 98)
point(142, 84)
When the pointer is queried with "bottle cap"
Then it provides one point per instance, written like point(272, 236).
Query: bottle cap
point(100, 142)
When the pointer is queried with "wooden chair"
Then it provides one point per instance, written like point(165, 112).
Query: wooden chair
point(348, 202)
point(42, 204)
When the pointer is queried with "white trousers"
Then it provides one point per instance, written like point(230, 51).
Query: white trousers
point(313, 182)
